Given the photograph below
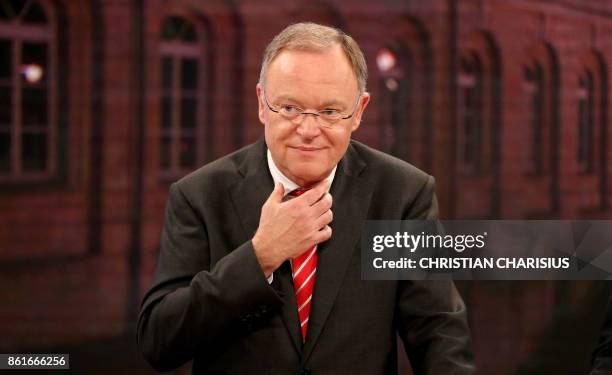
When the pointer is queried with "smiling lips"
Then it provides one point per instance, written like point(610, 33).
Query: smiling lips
point(306, 148)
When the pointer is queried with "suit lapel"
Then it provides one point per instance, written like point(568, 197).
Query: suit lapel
point(350, 205)
point(289, 312)
point(248, 196)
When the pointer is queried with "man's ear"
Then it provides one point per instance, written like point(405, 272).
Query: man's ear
point(261, 106)
point(363, 103)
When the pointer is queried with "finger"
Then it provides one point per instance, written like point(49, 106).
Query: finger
point(315, 193)
point(277, 194)
point(324, 219)
point(324, 204)
point(323, 235)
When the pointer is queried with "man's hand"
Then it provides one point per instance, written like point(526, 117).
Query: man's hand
point(287, 229)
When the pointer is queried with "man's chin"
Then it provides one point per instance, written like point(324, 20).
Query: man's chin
point(307, 177)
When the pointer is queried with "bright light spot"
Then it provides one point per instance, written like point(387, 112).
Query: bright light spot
point(385, 60)
point(391, 84)
point(32, 72)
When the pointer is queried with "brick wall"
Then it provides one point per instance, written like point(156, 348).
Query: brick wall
point(68, 245)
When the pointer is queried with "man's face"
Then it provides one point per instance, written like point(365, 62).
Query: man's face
point(305, 151)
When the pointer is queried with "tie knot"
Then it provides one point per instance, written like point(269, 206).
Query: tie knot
point(297, 192)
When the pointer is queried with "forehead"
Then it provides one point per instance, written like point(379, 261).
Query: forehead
point(317, 75)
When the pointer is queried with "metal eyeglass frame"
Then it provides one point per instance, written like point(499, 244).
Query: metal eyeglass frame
point(302, 114)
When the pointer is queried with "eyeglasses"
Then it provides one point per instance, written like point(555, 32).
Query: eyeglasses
point(325, 117)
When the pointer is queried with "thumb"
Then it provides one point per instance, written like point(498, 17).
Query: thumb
point(278, 193)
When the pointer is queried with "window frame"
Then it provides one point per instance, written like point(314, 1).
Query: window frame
point(534, 85)
point(18, 33)
point(177, 51)
point(472, 83)
point(586, 101)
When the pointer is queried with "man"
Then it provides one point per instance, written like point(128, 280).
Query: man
point(259, 270)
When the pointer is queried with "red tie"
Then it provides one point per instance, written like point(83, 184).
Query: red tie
point(304, 269)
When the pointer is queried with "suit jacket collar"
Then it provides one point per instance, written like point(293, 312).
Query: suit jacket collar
point(351, 197)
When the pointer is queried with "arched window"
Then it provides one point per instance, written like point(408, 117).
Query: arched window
point(591, 130)
point(28, 73)
point(181, 111)
point(536, 132)
point(394, 64)
point(540, 84)
point(535, 90)
point(591, 120)
point(402, 83)
point(478, 120)
point(470, 113)
point(586, 122)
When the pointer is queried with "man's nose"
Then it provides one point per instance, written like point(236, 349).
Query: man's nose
point(309, 126)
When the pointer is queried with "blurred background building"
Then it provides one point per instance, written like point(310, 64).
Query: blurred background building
point(104, 103)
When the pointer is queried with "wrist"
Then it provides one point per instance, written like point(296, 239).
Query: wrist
point(264, 257)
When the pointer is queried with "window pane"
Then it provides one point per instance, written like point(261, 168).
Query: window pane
point(6, 59)
point(536, 127)
point(586, 107)
point(169, 30)
point(188, 152)
point(34, 63)
point(165, 156)
point(189, 74)
point(34, 110)
point(6, 107)
point(527, 74)
point(5, 152)
point(4, 14)
point(177, 27)
point(36, 14)
point(166, 122)
point(468, 105)
point(13, 7)
point(34, 152)
point(167, 73)
point(582, 133)
point(188, 112)
point(534, 77)
point(189, 33)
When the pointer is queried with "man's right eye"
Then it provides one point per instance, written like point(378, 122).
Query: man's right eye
point(289, 109)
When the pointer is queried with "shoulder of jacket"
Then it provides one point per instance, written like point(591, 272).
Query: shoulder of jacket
point(384, 164)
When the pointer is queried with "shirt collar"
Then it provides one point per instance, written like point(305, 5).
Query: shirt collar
point(289, 185)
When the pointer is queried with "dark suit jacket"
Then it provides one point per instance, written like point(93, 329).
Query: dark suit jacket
point(602, 355)
point(211, 302)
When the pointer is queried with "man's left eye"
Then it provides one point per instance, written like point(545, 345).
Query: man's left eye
point(329, 112)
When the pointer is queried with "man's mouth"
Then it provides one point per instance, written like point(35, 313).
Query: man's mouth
point(306, 148)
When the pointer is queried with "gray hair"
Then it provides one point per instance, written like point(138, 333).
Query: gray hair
point(308, 36)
